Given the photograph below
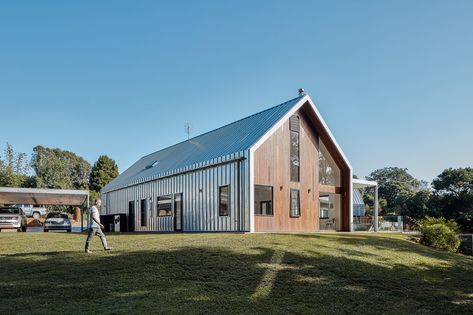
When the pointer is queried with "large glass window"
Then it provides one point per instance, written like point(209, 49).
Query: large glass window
point(263, 200)
point(329, 172)
point(223, 200)
point(294, 154)
point(295, 203)
point(144, 212)
point(164, 206)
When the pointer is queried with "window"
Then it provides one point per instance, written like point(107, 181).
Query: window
point(294, 151)
point(144, 212)
point(164, 206)
point(329, 172)
point(263, 200)
point(295, 203)
point(223, 200)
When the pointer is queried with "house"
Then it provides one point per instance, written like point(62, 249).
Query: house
point(278, 170)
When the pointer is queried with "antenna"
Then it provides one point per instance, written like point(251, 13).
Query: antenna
point(187, 129)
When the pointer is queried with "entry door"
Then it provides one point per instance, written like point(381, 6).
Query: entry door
point(131, 216)
point(178, 212)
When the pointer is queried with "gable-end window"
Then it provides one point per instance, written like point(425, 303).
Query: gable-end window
point(144, 212)
point(294, 127)
point(295, 203)
point(164, 208)
point(224, 200)
point(263, 200)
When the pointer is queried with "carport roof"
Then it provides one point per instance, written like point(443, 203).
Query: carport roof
point(42, 196)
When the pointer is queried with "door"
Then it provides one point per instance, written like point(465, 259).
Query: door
point(178, 212)
point(131, 216)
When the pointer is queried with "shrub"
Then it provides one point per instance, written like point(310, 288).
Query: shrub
point(440, 233)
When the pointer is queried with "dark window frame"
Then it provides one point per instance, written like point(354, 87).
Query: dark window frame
point(294, 129)
point(144, 212)
point(220, 201)
point(272, 201)
point(171, 210)
point(291, 212)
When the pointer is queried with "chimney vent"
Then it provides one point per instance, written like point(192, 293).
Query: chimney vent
point(301, 92)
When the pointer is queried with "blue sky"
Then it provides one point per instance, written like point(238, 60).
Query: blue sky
point(393, 79)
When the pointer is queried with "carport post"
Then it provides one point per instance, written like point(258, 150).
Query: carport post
point(376, 208)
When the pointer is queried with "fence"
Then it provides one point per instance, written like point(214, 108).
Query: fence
point(388, 223)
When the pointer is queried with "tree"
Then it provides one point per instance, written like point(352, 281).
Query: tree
point(103, 172)
point(56, 168)
point(453, 195)
point(396, 186)
point(14, 168)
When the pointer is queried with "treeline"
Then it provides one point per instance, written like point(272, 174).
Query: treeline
point(450, 195)
point(55, 168)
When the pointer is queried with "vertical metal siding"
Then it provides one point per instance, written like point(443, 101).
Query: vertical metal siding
point(200, 199)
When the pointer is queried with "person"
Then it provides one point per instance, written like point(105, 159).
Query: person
point(95, 227)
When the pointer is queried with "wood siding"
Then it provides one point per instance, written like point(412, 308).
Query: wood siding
point(272, 168)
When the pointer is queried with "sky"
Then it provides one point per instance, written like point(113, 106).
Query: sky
point(392, 79)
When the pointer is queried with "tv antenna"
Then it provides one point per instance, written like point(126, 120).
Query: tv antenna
point(187, 129)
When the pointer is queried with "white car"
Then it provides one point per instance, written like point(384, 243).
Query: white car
point(32, 211)
point(57, 221)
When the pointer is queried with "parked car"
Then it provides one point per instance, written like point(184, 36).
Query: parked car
point(32, 211)
point(12, 218)
point(57, 221)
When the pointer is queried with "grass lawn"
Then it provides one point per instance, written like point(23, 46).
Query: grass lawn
point(336, 273)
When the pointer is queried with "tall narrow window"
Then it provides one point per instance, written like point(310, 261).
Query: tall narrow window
point(223, 200)
point(294, 127)
point(295, 203)
point(164, 206)
point(144, 212)
point(263, 200)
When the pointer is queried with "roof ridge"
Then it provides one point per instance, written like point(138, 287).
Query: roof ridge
point(213, 130)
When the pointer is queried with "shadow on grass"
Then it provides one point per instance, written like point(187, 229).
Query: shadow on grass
point(203, 280)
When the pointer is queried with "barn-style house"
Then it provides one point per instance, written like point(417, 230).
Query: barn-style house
point(278, 170)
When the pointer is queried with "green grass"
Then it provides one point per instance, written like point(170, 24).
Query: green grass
point(335, 273)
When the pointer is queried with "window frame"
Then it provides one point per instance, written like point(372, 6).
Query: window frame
point(171, 196)
point(144, 212)
point(272, 201)
point(291, 214)
point(295, 177)
point(220, 200)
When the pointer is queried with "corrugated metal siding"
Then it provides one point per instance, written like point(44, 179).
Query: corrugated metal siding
point(199, 198)
point(220, 143)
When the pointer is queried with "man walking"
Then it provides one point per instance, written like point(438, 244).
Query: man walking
point(95, 227)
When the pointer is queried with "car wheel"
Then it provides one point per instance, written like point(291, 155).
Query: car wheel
point(46, 230)
point(36, 215)
point(69, 231)
point(23, 228)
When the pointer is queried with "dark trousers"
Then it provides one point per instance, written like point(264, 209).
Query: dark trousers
point(99, 233)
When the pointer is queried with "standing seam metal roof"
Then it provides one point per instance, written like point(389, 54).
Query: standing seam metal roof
point(227, 140)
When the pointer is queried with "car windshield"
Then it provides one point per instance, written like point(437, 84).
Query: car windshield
point(10, 210)
point(57, 215)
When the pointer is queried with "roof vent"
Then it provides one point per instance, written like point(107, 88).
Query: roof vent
point(301, 92)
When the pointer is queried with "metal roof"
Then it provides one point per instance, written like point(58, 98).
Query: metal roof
point(40, 196)
point(224, 141)
point(357, 197)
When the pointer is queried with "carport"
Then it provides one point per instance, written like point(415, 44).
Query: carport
point(43, 196)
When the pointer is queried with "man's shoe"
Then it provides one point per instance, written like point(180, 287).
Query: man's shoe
point(88, 251)
point(108, 248)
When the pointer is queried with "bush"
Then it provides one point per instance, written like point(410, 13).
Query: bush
point(440, 233)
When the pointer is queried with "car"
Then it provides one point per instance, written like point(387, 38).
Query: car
point(32, 211)
point(12, 218)
point(57, 221)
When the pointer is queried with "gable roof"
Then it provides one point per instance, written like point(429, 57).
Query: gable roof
point(233, 138)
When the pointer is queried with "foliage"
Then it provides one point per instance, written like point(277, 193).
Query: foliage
point(56, 168)
point(103, 172)
point(453, 196)
point(440, 233)
point(419, 205)
point(14, 168)
point(396, 186)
